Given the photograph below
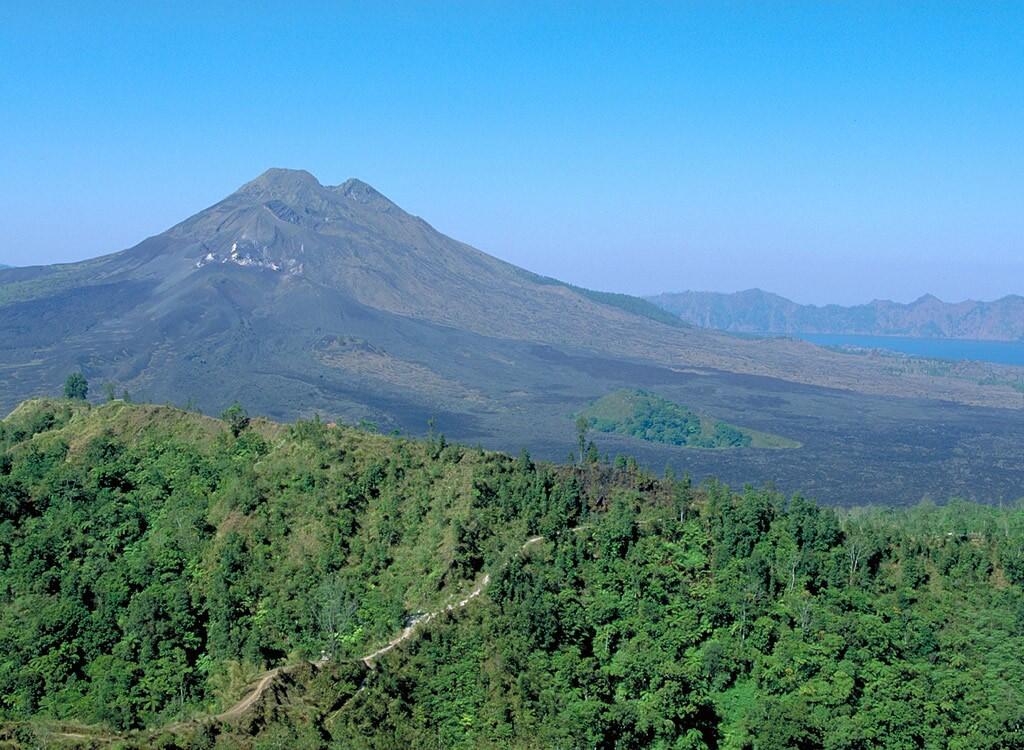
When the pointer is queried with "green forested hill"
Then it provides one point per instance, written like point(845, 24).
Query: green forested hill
point(154, 562)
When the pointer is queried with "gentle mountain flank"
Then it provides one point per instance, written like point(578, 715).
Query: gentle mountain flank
point(629, 303)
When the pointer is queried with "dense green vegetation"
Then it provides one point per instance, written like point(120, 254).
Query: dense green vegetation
point(650, 417)
point(152, 561)
point(143, 549)
point(729, 621)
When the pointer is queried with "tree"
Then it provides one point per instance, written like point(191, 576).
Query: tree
point(76, 387)
point(108, 391)
point(582, 427)
point(237, 418)
point(335, 610)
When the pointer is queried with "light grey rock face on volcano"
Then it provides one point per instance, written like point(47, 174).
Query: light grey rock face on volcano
point(298, 298)
point(348, 238)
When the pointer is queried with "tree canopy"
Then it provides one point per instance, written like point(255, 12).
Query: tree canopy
point(76, 387)
point(153, 562)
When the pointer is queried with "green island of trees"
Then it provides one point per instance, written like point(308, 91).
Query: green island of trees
point(650, 417)
point(153, 562)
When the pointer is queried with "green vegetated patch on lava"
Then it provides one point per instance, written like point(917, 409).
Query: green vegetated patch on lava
point(650, 417)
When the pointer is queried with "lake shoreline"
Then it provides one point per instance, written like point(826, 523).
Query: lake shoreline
point(956, 350)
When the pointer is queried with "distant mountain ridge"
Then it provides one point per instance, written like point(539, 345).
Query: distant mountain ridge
point(758, 311)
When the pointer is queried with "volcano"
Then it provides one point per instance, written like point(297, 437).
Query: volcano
point(296, 298)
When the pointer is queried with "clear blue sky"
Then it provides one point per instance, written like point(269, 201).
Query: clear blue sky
point(828, 151)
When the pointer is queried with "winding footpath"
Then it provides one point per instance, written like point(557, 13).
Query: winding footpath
point(407, 633)
point(261, 687)
point(267, 679)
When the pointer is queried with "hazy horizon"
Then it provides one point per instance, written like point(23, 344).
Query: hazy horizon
point(830, 154)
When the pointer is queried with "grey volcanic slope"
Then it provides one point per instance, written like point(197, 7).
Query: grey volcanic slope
point(757, 311)
point(297, 298)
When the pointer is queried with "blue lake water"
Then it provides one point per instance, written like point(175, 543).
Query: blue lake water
point(1003, 352)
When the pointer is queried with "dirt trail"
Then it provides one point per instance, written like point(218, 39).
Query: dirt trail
point(243, 705)
point(267, 678)
point(80, 736)
point(407, 633)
